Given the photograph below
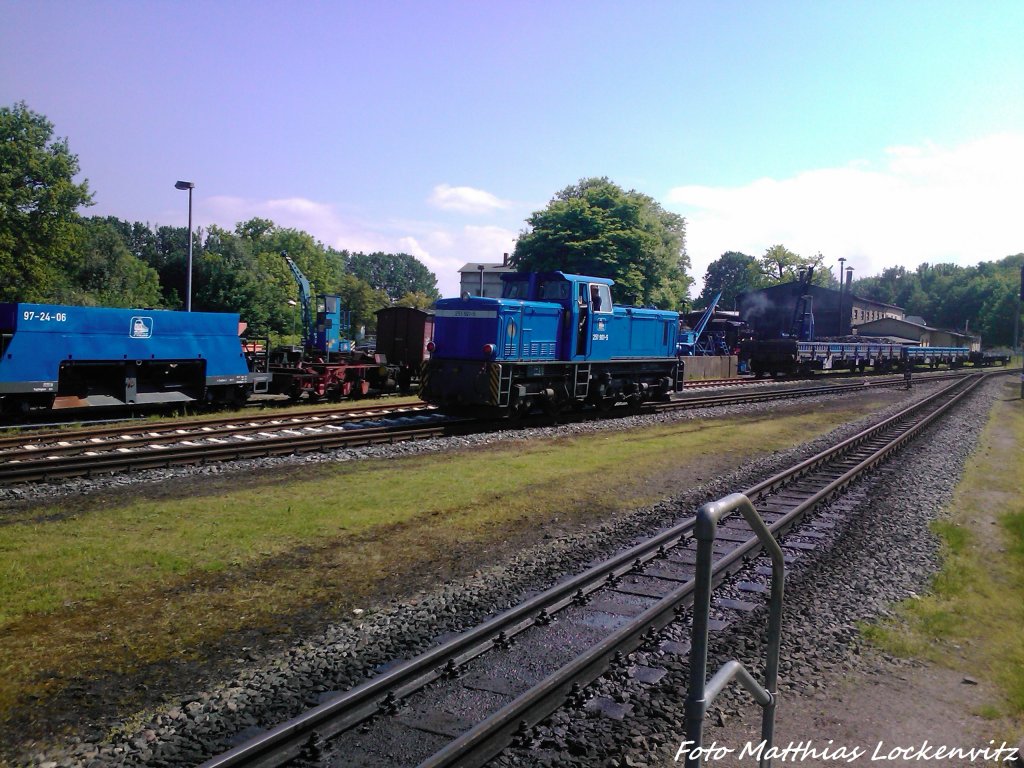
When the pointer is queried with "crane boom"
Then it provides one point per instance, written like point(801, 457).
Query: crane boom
point(305, 297)
point(689, 340)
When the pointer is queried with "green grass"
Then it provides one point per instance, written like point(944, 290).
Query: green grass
point(973, 617)
point(90, 587)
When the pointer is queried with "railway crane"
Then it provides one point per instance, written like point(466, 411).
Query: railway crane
point(325, 365)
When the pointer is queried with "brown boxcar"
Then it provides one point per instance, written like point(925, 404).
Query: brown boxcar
point(402, 337)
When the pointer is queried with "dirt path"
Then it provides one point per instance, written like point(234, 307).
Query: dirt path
point(887, 707)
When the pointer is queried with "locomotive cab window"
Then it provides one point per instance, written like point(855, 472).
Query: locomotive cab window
point(600, 297)
point(516, 289)
point(556, 290)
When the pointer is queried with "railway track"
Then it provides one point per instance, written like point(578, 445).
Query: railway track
point(45, 457)
point(462, 702)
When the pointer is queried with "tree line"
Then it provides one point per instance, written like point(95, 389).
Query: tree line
point(49, 253)
point(981, 299)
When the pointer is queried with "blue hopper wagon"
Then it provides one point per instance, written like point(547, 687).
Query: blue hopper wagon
point(60, 356)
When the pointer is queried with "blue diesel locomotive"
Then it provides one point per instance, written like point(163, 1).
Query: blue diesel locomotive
point(553, 341)
point(60, 356)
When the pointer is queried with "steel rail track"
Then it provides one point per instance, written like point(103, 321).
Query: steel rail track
point(86, 465)
point(785, 497)
point(810, 390)
point(144, 427)
point(156, 437)
point(163, 448)
point(149, 428)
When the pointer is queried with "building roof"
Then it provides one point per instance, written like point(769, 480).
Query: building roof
point(905, 321)
point(864, 329)
point(877, 303)
point(475, 266)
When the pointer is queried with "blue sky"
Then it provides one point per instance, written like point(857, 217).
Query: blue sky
point(885, 132)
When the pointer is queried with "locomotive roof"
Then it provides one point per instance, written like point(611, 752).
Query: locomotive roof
point(557, 275)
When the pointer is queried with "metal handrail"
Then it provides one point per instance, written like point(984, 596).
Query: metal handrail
point(702, 692)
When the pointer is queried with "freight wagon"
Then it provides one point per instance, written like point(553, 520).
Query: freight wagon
point(62, 356)
point(403, 334)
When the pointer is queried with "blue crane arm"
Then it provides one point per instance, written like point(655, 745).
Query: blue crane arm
point(706, 317)
point(305, 297)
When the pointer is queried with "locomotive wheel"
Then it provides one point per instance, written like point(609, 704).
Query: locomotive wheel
point(518, 410)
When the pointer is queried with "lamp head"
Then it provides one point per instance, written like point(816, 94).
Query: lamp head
point(184, 185)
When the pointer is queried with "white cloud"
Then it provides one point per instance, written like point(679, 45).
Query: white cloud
point(465, 200)
point(322, 221)
point(445, 252)
point(919, 204)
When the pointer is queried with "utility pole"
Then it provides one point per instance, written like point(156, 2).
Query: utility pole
point(839, 328)
point(1016, 326)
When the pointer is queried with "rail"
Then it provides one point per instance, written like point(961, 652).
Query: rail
point(703, 692)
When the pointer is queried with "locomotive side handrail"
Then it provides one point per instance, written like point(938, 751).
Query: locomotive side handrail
point(702, 692)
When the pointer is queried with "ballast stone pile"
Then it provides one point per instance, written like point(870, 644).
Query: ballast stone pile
point(265, 693)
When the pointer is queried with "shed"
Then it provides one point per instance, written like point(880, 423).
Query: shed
point(925, 335)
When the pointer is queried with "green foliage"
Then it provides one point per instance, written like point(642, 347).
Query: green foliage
point(396, 274)
point(596, 228)
point(38, 204)
point(105, 273)
point(229, 277)
point(731, 273)
point(362, 300)
point(416, 299)
point(165, 249)
point(982, 298)
point(781, 265)
point(243, 271)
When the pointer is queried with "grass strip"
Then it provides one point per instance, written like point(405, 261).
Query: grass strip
point(973, 616)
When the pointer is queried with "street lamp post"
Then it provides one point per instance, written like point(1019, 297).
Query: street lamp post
point(481, 268)
point(188, 271)
point(849, 291)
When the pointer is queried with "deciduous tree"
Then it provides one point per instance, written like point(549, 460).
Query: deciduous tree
point(731, 273)
point(396, 274)
point(596, 228)
point(103, 272)
point(38, 203)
